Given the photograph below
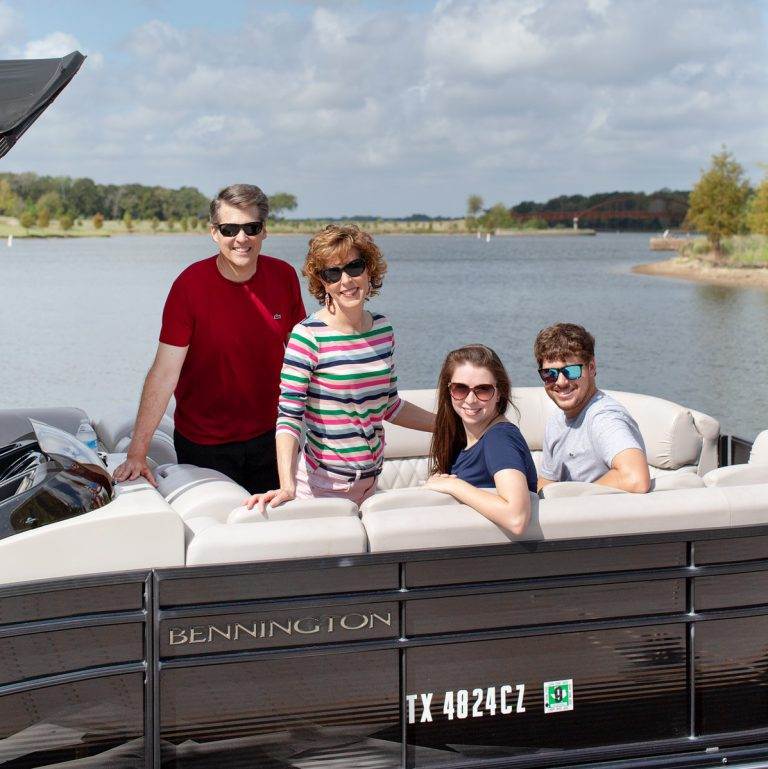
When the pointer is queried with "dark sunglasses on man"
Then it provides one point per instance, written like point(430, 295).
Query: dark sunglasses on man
point(229, 230)
point(354, 269)
point(571, 372)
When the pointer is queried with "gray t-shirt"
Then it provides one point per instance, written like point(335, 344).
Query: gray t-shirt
point(582, 449)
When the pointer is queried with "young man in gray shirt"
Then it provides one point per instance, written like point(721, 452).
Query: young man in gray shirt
point(593, 437)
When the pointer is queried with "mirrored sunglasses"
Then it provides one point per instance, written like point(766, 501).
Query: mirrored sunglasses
point(570, 372)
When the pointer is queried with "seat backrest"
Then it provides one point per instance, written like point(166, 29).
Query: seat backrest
point(675, 437)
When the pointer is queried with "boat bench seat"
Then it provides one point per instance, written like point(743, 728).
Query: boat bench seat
point(421, 527)
point(678, 440)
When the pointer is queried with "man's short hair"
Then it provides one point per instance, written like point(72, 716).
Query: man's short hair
point(241, 196)
point(563, 341)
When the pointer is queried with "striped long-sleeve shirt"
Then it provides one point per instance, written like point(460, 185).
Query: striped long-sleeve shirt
point(341, 387)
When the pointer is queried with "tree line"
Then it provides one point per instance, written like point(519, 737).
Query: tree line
point(662, 209)
point(61, 197)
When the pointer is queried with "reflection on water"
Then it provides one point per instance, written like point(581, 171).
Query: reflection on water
point(81, 317)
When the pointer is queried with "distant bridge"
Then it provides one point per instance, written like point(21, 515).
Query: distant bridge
point(662, 207)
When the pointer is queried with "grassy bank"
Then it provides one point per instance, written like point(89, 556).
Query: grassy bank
point(737, 252)
point(743, 263)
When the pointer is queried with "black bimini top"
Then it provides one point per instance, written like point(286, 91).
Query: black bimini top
point(27, 87)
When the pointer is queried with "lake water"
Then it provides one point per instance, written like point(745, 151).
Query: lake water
point(80, 317)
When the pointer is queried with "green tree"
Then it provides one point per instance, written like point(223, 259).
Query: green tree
point(154, 224)
point(193, 222)
point(51, 202)
point(497, 217)
point(282, 201)
point(184, 223)
point(128, 221)
point(43, 218)
point(66, 222)
point(171, 225)
point(757, 211)
point(98, 220)
point(85, 198)
point(717, 201)
point(27, 220)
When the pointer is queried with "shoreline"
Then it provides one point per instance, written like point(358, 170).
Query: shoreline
point(699, 272)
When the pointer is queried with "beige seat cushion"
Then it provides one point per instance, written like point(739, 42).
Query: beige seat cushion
point(400, 498)
point(275, 540)
point(737, 475)
point(297, 508)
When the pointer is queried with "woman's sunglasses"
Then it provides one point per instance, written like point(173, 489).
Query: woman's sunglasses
point(483, 392)
point(570, 372)
point(354, 269)
point(233, 230)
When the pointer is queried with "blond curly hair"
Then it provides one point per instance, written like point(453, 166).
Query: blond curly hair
point(335, 242)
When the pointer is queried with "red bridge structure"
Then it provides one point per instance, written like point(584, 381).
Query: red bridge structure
point(618, 211)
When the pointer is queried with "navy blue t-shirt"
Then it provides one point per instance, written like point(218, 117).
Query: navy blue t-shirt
point(502, 447)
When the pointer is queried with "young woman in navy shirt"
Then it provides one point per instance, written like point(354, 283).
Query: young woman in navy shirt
point(475, 448)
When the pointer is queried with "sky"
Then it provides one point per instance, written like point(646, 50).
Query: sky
point(391, 107)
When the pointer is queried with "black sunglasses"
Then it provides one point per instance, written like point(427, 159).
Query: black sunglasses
point(232, 230)
point(571, 372)
point(483, 392)
point(354, 269)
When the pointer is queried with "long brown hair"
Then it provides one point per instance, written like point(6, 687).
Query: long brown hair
point(449, 437)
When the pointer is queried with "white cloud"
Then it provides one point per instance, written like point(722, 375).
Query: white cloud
point(52, 46)
point(515, 98)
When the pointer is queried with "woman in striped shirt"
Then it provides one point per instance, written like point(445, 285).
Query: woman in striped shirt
point(338, 382)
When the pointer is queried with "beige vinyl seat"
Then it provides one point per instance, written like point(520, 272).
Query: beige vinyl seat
point(416, 528)
point(681, 444)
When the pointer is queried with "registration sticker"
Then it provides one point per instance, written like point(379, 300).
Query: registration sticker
point(558, 696)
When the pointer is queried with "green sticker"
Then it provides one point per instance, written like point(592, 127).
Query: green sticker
point(558, 696)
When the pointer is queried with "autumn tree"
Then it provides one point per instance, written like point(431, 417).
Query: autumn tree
point(717, 201)
point(128, 221)
point(98, 220)
point(66, 222)
point(43, 218)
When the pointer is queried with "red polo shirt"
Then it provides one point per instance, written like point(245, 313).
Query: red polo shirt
point(236, 334)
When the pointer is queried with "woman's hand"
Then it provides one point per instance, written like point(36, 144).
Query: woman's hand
point(273, 497)
point(441, 482)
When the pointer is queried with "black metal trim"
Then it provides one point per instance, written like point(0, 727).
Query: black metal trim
point(83, 674)
point(72, 623)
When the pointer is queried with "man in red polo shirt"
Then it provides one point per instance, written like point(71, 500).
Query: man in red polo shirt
point(225, 324)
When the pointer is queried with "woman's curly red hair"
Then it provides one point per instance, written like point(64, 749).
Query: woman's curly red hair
point(335, 242)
